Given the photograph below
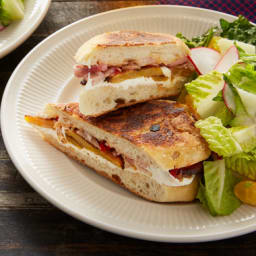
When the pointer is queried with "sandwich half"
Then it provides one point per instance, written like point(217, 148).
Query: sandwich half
point(152, 148)
point(122, 68)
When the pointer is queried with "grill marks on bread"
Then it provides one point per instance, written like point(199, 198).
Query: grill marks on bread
point(177, 143)
point(134, 123)
point(135, 38)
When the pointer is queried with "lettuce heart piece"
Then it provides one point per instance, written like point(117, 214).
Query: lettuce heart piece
point(244, 164)
point(219, 138)
point(217, 194)
point(242, 118)
point(248, 99)
point(243, 76)
point(13, 8)
point(245, 136)
point(202, 91)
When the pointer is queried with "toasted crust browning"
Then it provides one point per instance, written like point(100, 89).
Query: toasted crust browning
point(108, 48)
point(134, 38)
point(136, 182)
point(163, 129)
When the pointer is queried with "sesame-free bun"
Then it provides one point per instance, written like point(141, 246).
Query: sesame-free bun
point(118, 47)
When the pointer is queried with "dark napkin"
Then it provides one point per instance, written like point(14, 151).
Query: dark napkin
point(246, 8)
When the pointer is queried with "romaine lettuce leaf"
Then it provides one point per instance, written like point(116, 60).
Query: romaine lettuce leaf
point(245, 136)
point(217, 194)
point(219, 97)
point(224, 115)
point(203, 90)
point(243, 76)
point(223, 44)
point(241, 118)
point(222, 112)
point(201, 195)
point(248, 99)
point(244, 164)
point(219, 138)
point(11, 10)
point(5, 18)
point(248, 58)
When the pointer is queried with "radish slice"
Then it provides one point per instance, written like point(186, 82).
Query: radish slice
point(1, 27)
point(204, 59)
point(194, 65)
point(228, 60)
point(229, 98)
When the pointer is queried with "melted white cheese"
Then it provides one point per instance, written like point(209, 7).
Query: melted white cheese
point(134, 82)
point(164, 177)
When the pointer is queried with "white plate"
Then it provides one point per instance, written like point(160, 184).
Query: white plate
point(17, 32)
point(45, 75)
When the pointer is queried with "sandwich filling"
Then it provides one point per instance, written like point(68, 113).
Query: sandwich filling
point(68, 134)
point(101, 73)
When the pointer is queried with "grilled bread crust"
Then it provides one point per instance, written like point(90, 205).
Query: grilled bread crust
point(162, 130)
point(119, 47)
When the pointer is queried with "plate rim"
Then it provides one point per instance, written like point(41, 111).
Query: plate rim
point(99, 224)
point(28, 31)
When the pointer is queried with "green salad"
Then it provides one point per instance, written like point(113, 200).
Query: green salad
point(10, 10)
point(225, 100)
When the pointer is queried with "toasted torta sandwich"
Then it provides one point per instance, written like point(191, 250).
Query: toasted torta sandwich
point(153, 149)
point(122, 68)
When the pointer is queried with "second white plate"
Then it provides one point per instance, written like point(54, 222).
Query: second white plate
point(17, 32)
point(45, 75)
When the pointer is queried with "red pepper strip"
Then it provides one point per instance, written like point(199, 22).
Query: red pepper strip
point(175, 172)
point(178, 171)
point(104, 147)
